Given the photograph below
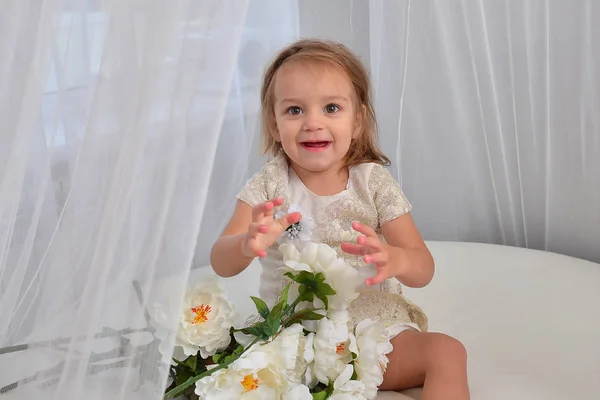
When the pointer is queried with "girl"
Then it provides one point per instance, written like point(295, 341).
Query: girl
point(320, 126)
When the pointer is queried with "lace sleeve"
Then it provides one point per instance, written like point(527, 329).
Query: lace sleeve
point(389, 198)
point(263, 185)
point(255, 190)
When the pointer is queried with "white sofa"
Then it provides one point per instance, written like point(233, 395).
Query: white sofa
point(530, 320)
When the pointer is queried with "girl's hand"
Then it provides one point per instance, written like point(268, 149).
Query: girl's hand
point(374, 251)
point(264, 229)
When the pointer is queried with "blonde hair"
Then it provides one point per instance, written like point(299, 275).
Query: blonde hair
point(363, 149)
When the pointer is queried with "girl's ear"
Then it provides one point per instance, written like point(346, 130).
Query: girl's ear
point(361, 117)
point(275, 134)
point(274, 131)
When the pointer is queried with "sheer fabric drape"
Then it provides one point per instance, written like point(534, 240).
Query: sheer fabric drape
point(123, 127)
point(490, 111)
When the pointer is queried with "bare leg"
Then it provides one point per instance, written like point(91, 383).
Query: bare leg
point(433, 360)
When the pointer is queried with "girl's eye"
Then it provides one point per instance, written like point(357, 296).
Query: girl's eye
point(331, 108)
point(294, 110)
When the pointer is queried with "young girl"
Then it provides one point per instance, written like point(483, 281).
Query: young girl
point(320, 126)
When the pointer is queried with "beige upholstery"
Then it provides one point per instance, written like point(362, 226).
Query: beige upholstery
point(530, 320)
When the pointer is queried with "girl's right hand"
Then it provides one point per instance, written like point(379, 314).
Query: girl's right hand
point(265, 229)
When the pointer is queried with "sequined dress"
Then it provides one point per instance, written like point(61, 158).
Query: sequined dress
point(372, 197)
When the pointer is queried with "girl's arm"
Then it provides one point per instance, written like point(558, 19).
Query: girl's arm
point(226, 256)
point(408, 252)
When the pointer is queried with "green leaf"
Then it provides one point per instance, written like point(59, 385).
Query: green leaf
point(306, 278)
point(217, 358)
point(261, 306)
point(325, 289)
point(302, 277)
point(272, 324)
point(329, 388)
point(312, 316)
point(191, 362)
point(183, 375)
point(323, 298)
point(306, 293)
point(319, 277)
point(234, 355)
point(276, 311)
point(305, 314)
point(257, 330)
point(290, 275)
point(319, 396)
point(284, 296)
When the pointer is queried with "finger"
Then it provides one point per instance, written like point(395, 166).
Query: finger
point(289, 219)
point(254, 249)
point(256, 228)
point(364, 229)
point(380, 258)
point(372, 242)
point(381, 276)
point(276, 202)
point(260, 210)
point(354, 249)
point(259, 252)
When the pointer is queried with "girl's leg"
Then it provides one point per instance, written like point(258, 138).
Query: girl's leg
point(433, 360)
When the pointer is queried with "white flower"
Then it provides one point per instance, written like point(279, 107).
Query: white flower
point(309, 378)
point(202, 321)
point(300, 232)
point(318, 257)
point(298, 392)
point(333, 350)
point(256, 375)
point(346, 389)
point(373, 342)
point(205, 320)
point(289, 351)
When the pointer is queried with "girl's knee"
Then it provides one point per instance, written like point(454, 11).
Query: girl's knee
point(446, 349)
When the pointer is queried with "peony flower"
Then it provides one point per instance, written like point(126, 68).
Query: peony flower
point(205, 320)
point(333, 349)
point(373, 343)
point(289, 350)
point(346, 389)
point(309, 378)
point(298, 392)
point(318, 257)
point(253, 376)
point(202, 321)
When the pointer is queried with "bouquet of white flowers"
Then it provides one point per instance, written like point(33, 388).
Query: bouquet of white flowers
point(303, 347)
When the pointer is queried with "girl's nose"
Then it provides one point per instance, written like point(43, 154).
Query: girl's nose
point(313, 121)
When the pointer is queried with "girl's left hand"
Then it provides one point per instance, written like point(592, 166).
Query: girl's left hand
point(374, 251)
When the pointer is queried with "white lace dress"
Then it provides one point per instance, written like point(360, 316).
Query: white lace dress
point(372, 197)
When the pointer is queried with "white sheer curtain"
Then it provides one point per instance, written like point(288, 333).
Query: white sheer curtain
point(490, 111)
point(123, 127)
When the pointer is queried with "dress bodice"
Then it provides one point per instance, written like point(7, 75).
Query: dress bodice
point(372, 197)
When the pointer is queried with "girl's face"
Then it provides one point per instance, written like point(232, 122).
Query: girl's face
point(315, 115)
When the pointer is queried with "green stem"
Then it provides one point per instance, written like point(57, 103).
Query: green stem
point(176, 391)
point(292, 307)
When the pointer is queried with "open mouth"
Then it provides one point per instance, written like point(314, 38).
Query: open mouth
point(315, 145)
